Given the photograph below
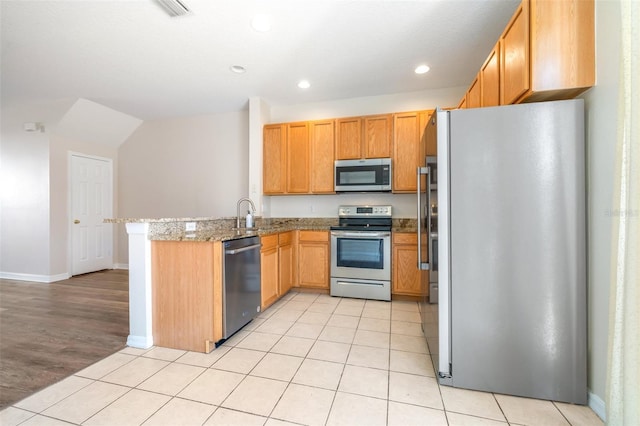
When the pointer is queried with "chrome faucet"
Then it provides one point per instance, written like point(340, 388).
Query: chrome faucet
point(253, 209)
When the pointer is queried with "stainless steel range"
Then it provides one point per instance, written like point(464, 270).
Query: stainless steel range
point(361, 253)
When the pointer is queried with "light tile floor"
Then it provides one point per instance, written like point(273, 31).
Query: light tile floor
point(309, 359)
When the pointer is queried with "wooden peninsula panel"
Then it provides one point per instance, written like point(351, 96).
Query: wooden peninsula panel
point(187, 294)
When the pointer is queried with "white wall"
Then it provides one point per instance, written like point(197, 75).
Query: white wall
point(397, 102)
point(601, 104)
point(183, 167)
point(34, 175)
point(327, 205)
point(24, 197)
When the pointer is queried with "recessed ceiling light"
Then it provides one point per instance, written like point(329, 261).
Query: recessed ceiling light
point(304, 84)
point(422, 69)
point(261, 23)
point(237, 69)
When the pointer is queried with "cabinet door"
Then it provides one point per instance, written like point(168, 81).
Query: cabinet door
point(187, 310)
point(274, 159)
point(322, 163)
point(490, 79)
point(514, 47)
point(269, 276)
point(285, 259)
point(313, 259)
point(430, 135)
point(406, 151)
point(348, 138)
point(406, 276)
point(463, 102)
point(298, 158)
point(562, 48)
point(378, 136)
point(473, 94)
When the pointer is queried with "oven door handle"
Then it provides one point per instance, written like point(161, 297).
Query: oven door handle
point(361, 234)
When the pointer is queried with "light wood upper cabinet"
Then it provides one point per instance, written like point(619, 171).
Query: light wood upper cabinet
point(430, 135)
point(490, 79)
point(321, 160)
point(474, 94)
point(562, 48)
point(377, 136)
point(548, 51)
point(274, 159)
point(348, 138)
point(364, 137)
point(514, 47)
point(406, 151)
point(463, 102)
point(313, 259)
point(298, 158)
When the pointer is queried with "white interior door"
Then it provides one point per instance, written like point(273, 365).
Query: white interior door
point(91, 201)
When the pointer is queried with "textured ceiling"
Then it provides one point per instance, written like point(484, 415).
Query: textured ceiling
point(132, 57)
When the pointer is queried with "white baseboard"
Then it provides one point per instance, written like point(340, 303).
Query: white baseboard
point(120, 266)
point(598, 406)
point(34, 277)
point(141, 342)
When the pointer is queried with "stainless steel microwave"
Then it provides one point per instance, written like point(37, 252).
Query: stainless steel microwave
point(369, 175)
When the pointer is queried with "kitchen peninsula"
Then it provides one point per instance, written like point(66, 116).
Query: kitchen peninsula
point(175, 272)
point(175, 276)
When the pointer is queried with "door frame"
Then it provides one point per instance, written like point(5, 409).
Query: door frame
point(70, 155)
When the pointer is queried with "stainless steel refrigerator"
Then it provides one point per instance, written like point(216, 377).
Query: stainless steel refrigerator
point(512, 250)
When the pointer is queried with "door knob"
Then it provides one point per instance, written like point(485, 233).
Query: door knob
point(76, 221)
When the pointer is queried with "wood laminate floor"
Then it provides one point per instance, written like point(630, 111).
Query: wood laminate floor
point(50, 331)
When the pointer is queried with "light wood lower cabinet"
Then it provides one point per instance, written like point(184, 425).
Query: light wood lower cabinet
point(285, 262)
point(313, 259)
point(269, 271)
point(276, 266)
point(405, 274)
point(187, 294)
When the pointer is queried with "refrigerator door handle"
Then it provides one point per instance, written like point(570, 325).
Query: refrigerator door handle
point(423, 266)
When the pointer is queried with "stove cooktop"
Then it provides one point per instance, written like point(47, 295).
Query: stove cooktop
point(363, 218)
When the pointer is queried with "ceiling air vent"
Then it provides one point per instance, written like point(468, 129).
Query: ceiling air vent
point(174, 7)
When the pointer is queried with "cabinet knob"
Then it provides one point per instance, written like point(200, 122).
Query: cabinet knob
point(76, 221)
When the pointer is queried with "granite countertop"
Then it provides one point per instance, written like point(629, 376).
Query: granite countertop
point(223, 229)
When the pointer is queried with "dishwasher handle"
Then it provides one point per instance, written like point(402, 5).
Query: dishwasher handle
point(240, 250)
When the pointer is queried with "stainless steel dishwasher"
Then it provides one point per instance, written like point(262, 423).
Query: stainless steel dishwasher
point(241, 276)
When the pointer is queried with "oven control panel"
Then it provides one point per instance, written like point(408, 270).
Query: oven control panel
point(355, 211)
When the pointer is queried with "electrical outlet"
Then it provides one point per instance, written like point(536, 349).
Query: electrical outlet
point(190, 226)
